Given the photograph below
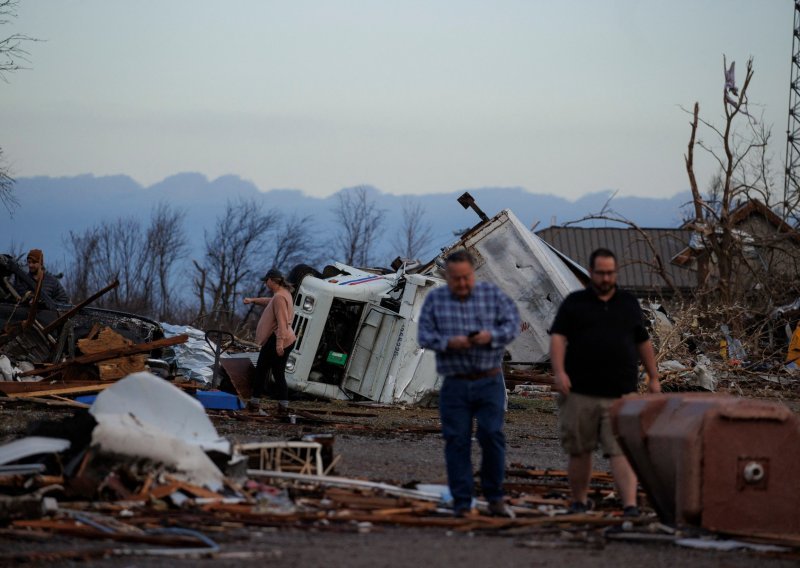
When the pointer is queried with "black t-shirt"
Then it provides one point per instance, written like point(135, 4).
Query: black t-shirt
point(601, 359)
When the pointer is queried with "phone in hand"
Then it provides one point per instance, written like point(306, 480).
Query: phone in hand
point(472, 334)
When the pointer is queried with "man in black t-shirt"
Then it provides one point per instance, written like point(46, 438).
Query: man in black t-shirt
point(596, 342)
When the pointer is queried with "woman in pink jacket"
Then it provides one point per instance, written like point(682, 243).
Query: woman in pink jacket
point(275, 335)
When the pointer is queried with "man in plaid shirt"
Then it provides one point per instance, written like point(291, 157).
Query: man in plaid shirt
point(468, 324)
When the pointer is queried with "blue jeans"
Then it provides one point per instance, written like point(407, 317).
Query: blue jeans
point(459, 402)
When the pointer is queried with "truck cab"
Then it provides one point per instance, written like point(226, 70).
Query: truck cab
point(356, 337)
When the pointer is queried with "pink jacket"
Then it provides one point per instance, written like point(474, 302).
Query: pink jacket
point(277, 318)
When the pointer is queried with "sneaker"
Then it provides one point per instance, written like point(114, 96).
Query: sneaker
point(577, 508)
point(500, 509)
point(631, 511)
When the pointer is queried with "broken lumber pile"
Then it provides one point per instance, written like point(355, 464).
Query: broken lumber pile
point(115, 357)
point(118, 367)
point(107, 355)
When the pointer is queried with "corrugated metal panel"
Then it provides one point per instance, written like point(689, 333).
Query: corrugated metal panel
point(636, 259)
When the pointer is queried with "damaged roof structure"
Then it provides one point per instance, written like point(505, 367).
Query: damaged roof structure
point(642, 255)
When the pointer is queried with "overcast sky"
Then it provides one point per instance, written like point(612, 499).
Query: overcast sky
point(409, 96)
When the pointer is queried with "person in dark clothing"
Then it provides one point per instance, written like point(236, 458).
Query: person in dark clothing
point(50, 284)
point(597, 340)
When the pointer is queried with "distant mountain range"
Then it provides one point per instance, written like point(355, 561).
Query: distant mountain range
point(51, 207)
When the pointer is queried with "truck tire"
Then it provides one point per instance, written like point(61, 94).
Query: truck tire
point(299, 272)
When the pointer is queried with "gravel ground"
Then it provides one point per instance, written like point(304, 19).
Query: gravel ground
point(387, 448)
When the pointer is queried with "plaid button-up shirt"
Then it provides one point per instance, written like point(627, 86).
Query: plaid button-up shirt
point(444, 316)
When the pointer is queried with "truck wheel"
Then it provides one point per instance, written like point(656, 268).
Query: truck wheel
point(299, 272)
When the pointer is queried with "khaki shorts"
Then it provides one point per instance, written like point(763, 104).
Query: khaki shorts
point(584, 424)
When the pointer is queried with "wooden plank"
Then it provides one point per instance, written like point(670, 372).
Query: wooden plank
point(198, 491)
point(110, 354)
point(49, 401)
point(96, 327)
point(70, 402)
point(64, 390)
point(34, 302)
point(9, 387)
point(783, 539)
point(73, 528)
point(164, 490)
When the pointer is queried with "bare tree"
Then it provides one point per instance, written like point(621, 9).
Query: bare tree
point(166, 246)
point(112, 250)
point(415, 232)
point(82, 249)
point(7, 196)
point(141, 259)
point(12, 54)
point(744, 174)
point(232, 252)
point(360, 220)
point(123, 257)
point(294, 243)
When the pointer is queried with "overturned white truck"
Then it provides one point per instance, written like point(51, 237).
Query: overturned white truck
point(357, 330)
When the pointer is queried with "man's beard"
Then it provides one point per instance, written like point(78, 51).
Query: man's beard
point(604, 288)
